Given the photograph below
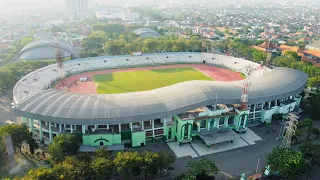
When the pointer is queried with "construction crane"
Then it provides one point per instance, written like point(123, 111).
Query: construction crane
point(245, 88)
point(59, 61)
point(290, 128)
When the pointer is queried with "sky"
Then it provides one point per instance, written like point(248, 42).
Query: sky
point(13, 5)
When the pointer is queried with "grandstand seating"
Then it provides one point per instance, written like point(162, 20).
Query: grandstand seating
point(43, 78)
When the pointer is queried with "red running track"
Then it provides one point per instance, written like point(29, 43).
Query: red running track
point(89, 87)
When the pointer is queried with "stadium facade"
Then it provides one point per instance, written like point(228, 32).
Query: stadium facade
point(180, 112)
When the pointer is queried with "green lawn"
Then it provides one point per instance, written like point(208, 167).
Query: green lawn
point(122, 82)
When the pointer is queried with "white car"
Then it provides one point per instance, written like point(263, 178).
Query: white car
point(9, 122)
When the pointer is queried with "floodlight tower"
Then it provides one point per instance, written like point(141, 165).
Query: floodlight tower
point(245, 88)
point(290, 129)
point(59, 61)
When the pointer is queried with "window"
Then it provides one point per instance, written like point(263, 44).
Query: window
point(186, 130)
point(230, 120)
point(203, 124)
point(101, 143)
point(221, 121)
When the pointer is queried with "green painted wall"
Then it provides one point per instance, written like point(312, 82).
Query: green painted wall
point(166, 130)
point(125, 135)
point(237, 121)
point(181, 128)
point(138, 138)
point(107, 139)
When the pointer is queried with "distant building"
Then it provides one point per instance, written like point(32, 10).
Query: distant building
point(315, 45)
point(4, 47)
point(44, 49)
point(146, 32)
point(266, 46)
point(77, 7)
point(127, 17)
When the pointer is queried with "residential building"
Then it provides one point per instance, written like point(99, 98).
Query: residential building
point(77, 7)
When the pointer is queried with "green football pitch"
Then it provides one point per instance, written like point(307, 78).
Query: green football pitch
point(142, 80)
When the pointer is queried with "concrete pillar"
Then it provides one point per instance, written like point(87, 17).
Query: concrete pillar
point(198, 127)
point(226, 118)
point(276, 103)
point(208, 125)
point(142, 125)
point(164, 121)
point(50, 133)
point(84, 129)
point(150, 122)
point(269, 105)
point(71, 128)
point(65, 126)
point(119, 128)
point(75, 127)
point(130, 125)
point(31, 125)
point(40, 131)
point(60, 127)
point(107, 126)
point(96, 127)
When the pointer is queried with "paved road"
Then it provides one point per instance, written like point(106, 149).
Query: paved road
point(242, 160)
point(5, 107)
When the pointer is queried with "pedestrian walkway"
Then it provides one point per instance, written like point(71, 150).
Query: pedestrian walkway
point(183, 150)
point(199, 148)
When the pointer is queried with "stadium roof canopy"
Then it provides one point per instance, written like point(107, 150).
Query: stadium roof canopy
point(43, 49)
point(65, 107)
point(146, 32)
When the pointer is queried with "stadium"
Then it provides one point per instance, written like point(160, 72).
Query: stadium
point(43, 49)
point(117, 100)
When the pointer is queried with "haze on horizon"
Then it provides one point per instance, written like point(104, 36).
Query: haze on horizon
point(35, 4)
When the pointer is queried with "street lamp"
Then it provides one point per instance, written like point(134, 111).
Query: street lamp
point(12, 111)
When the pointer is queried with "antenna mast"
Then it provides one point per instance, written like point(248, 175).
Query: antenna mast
point(59, 61)
point(245, 88)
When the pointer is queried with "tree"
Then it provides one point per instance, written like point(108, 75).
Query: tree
point(64, 145)
point(111, 48)
point(101, 153)
point(128, 163)
point(314, 82)
point(96, 40)
point(109, 28)
point(185, 176)
point(292, 55)
point(19, 134)
point(204, 169)
point(259, 56)
point(165, 160)
point(81, 168)
point(287, 161)
point(311, 152)
point(313, 103)
point(102, 167)
point(149, 45)
point(41, 173)
point(3, 159)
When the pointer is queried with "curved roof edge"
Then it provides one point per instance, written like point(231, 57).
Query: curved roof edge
point(46, 42)
point(80, 109)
